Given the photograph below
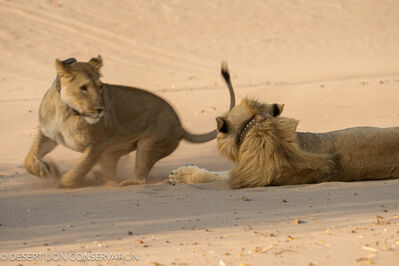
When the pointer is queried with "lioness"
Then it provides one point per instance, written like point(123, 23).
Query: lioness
point(105, 121)
point(267, 150)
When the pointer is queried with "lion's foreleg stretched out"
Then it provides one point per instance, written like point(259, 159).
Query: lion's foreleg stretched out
point(194, 175)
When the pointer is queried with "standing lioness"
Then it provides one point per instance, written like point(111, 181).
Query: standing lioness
point(104, 122)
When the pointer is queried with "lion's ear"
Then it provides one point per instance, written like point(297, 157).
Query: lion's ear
point(96, 62)
point(221, 124)
point(62, 68)
point(277, 109)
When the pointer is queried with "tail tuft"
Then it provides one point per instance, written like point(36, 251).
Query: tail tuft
point(226, 75)
point(225, 71)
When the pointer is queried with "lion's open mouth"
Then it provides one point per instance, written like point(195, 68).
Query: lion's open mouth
point(91, 119)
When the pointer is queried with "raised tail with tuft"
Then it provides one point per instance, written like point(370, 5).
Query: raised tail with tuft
point(200, 138)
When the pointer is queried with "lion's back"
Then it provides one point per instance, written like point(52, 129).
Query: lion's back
point(137, 109)
point(362, 152)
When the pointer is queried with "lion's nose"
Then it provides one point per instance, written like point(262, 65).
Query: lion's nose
point(99, 110)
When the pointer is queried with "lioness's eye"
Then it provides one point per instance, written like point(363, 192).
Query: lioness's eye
point(83, 88)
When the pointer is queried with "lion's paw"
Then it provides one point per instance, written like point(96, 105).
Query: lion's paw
point(183, 175)
point(69, 180)
point(38, 167)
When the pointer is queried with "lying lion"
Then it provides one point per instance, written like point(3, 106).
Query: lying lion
point(104, 122)
point(267, 150)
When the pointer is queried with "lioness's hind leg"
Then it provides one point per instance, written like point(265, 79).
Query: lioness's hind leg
point(147, 154)
point(33, 161)
point(108, 165)
point(195, 175)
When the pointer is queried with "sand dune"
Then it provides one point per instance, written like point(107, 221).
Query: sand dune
point(333, 64)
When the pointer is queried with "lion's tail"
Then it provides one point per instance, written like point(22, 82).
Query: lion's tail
point(199, 138)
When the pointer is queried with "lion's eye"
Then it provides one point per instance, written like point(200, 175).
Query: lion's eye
point(83, 88)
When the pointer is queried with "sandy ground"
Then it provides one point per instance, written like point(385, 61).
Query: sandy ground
point(334, 64)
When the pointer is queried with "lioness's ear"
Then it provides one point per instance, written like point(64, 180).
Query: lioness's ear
point(62, 68)
point(277, 109)
point(221, 124)
point(96, 62)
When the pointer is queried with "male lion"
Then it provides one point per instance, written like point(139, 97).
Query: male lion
point(267, 150)
point(105, 121)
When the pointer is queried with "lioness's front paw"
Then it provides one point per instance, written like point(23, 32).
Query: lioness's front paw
point(70, 181)
point(37, 167)
point(184, 175)
point(131, 182)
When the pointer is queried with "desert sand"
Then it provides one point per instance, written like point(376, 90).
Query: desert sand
point(334, 64)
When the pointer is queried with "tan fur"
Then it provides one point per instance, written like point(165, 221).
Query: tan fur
point(273, 153)
point(104, 122)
